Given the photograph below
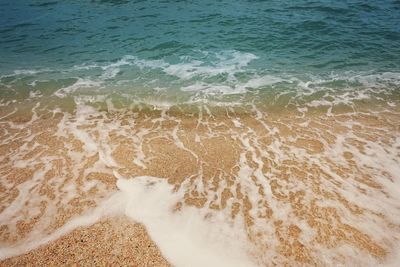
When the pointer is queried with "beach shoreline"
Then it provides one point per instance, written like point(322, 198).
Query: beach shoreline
point(249, 167)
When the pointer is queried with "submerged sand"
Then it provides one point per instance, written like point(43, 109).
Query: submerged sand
point(296, 184)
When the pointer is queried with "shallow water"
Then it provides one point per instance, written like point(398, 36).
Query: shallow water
point(198, 47)
point(251, 133)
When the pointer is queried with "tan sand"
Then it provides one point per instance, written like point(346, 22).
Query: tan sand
point(112, 242)
point(294, 156)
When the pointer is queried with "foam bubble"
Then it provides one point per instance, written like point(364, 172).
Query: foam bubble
point(185, 237)
point(80, 83)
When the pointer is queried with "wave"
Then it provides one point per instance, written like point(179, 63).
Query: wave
point(207, 74)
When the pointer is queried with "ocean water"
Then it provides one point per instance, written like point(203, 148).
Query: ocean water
point(202, 47)
point(240, 133)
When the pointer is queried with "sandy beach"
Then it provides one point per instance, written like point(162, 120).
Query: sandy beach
point(116, 241)
point(286, 186)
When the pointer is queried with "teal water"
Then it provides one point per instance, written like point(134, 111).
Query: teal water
point(207, 47)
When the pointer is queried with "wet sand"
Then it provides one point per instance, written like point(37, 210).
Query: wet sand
point(114, 241)
point(304, 184)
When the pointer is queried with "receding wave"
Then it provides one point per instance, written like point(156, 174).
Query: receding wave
point(211, 154)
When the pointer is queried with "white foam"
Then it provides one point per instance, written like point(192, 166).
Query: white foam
point(212, 89)
point(109, 207)
point(29, 72)
point(259, 81)
point(33, 94)
point(186, 237)
point(80, 83)
point(237, 123)
point(228, 62)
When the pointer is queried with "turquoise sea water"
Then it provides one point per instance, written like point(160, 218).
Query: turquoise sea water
point(198, 47)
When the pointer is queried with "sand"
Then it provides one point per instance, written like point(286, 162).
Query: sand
point(304, 185)
point(111, 242)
